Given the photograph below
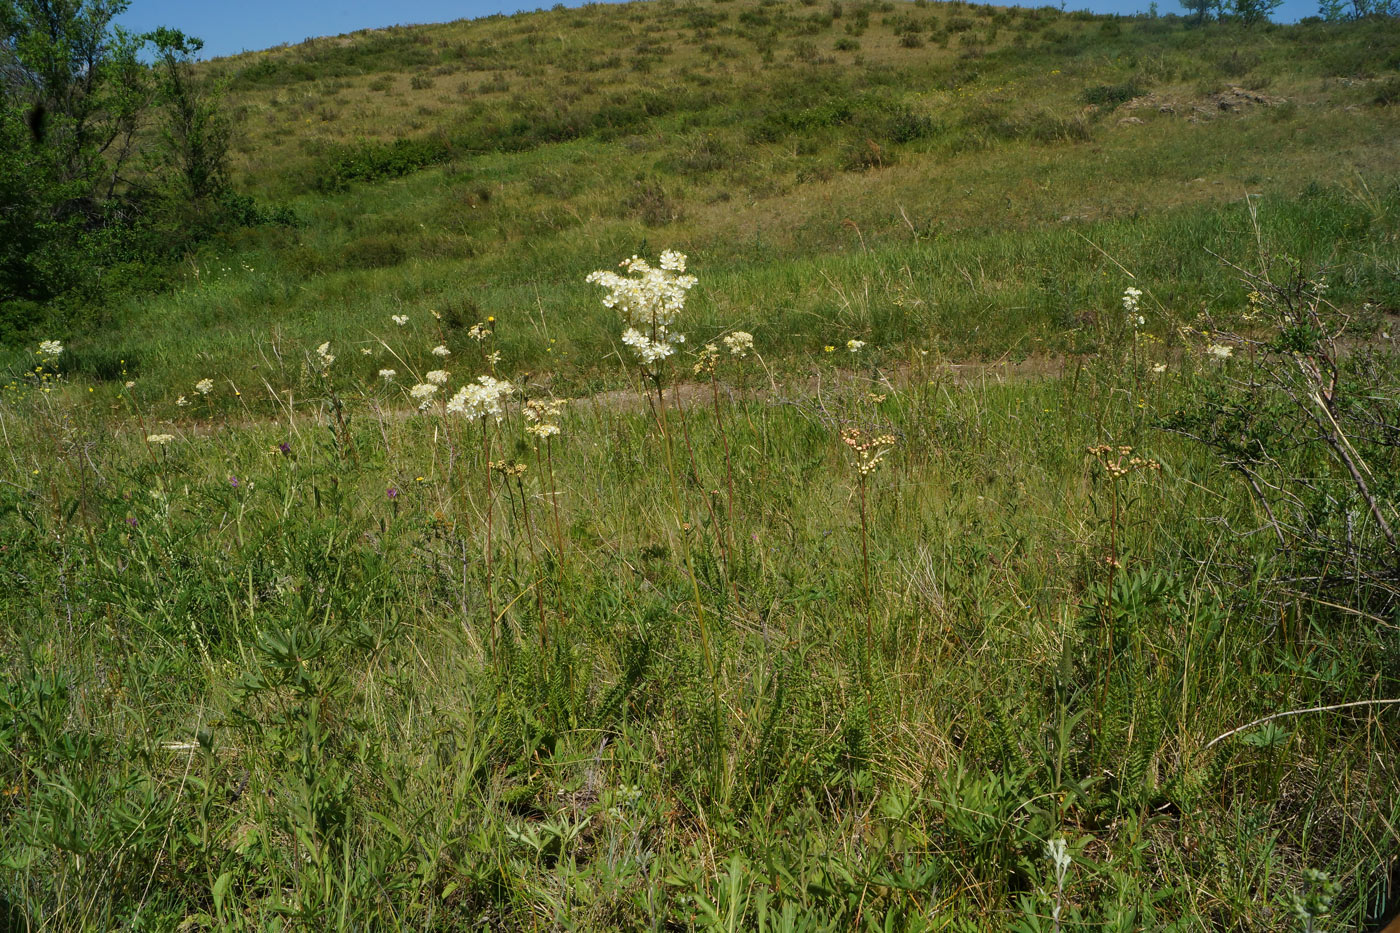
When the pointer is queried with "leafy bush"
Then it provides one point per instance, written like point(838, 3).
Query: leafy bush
point(373, 161)
point(1110, 96)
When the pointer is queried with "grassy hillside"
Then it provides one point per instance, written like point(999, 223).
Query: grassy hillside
point(1036, 568)
point(880, 171)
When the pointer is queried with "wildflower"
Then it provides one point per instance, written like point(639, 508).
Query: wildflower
point(1220, 351)
point(649, 300)
point(325, 355)
point(392, 493)
point(438, 377)
point(481, 399)
point(51, 348)
point(399, 319)
point(1057, 851)
point(440, 350)
point(387, 374)
point(204, 386)
point(739, 343)
point(366, 351)
point(159, 438)
point(1160, 368)
point(705, 361)
point(869, 450)
point(854, 345)
point(284, 448)
point(828, 349)
point(494, 357)
point(182, 401)
point(478, 332)
point(233, 481)
point(130, 384)
point(542, 414)
point(423, 393)
point(1130, 306)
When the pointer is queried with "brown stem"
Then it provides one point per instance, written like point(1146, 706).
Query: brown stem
point(490, 598)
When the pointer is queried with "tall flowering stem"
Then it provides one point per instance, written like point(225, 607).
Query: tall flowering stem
point(649, 299)
point(1118, 463)
point(868, 452)
point(541, 417)
point(480, 401)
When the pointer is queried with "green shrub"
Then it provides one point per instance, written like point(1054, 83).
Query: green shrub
point(1109, 96)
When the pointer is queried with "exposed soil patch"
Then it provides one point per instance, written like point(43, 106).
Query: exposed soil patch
point(1233, 99)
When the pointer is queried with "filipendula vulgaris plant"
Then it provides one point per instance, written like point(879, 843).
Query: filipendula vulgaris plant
point(542, 424)
point(740, 345)
point(650, 299)
point(868, 452)
point(484, 401)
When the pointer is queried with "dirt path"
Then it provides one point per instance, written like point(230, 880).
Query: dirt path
point(767, 387)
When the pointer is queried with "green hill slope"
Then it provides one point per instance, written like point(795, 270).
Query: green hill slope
point(897, 172)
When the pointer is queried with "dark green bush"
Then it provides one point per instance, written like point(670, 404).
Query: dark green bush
point(1110, 95)
point(372, 161)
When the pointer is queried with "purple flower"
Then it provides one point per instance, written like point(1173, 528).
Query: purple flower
point(393, 492)
point(285, 448)
point(131, 520)
point(233, 481)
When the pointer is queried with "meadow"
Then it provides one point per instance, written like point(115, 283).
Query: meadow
point(1009, 544)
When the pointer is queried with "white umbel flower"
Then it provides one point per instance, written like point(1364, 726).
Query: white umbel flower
point(204, 386)
point(542, 414)
point(739, 343)
point(854, 345)
point(388, 374)
point(440, 350)
point(481, 399)
point(423, 394)
point(438, 377)
point(649, 300)
point(51, 348)
point(1220, 351)
point(399, 319)
point(161, 439)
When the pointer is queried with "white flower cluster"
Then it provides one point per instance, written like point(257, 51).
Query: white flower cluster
point(649, 300)
point(423, 394)
point(481, 399)
point(854, 345)
point(1130, 307)
point(440, 350)
point(161, 439)
point(739, 343)
point(388, 374)
point(1220, 351)
point(204, 386)
point(542, 416)
point(326, 357)
point(438, 377)
point(50, 348)
point(399, 319)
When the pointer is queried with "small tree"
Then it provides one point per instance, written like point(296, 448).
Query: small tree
point(1251, 12)
point(194, 130)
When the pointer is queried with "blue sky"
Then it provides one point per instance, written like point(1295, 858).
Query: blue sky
point(227, 28)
